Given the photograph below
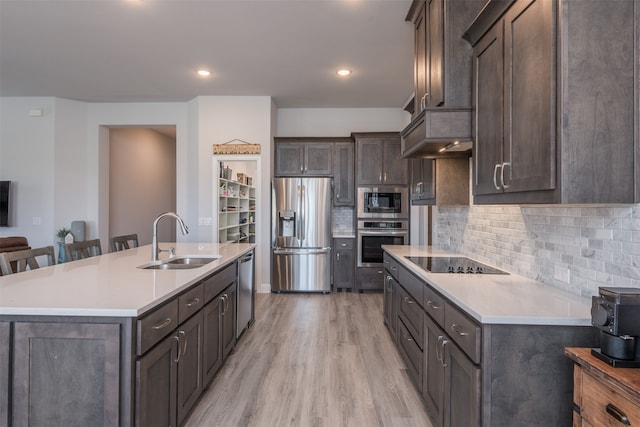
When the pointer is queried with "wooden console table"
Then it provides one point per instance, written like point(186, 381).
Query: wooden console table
point(603, 395)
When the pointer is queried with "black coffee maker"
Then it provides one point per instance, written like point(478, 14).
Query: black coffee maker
point(616, 313)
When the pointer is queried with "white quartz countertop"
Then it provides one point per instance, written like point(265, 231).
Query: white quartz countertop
point(499, 298)
point(109, 285)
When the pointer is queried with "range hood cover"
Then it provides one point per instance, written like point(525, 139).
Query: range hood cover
point(437, 133)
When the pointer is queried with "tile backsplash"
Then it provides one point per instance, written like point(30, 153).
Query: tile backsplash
point(342, 220)
point(576, 248)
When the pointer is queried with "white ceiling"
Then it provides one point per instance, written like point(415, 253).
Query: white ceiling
point(149, 50)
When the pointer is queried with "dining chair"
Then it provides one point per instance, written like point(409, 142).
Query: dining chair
point(19, 261)
point(126, 241)
point(80, 250)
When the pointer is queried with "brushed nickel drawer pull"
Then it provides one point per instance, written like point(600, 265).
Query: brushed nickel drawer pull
point(455, 328)
point(408, 300)
point(432, 305)
point(617, 414)
point(166, 322)
point(193, 302)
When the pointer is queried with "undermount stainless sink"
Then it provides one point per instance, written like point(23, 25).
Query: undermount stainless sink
point(180, 262)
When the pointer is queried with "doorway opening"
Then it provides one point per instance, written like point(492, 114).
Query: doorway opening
point(142, 181)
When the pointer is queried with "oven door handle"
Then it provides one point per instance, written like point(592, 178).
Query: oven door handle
point(382, 233)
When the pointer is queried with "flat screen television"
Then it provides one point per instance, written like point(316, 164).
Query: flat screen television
point(5, 186)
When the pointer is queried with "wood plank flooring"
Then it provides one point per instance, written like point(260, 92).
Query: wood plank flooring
point(313, 360)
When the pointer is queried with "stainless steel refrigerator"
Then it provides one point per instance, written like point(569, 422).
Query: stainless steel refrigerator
point(301, 235)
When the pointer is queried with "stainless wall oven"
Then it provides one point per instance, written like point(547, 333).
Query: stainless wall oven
point(372, 234)
point(383, 202)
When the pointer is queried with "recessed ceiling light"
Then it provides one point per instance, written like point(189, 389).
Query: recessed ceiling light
point(204, 73)
point(344, 72)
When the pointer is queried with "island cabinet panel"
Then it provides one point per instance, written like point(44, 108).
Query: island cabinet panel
point(190, 384)
point(156, 385)
point(556, 102)
point(5, 336)
point(66, 374)
point(229, 320)
point(212, 348)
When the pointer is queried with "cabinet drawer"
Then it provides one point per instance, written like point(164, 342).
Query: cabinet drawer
point(411, 314)
point(190, 302)
point(413, 285)
point(602, 405)
point(342, 243)
point(464, 331)
point(156, 325)
point(434, 305)
point(370, 278)
point(219, 281)
point(411, 354)
point(391, 265)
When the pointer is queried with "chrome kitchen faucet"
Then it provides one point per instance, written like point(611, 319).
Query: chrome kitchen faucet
point(155, 250)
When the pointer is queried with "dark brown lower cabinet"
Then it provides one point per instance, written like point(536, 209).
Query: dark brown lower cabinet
point(189, 365)
point(228, 319)
point(5, 335)
point(212, 345)
point(156, 385)
point(370, 278)
point(344, 263)
point(411, 354)
point(66, 374)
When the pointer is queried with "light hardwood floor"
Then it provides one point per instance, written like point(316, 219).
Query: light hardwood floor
point(313, 360)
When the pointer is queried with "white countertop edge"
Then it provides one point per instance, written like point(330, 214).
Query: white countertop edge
point(22, 305)
point(431, 280)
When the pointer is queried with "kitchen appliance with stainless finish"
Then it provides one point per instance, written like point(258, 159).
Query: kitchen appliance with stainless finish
point(616, 313)
point(372, 234)
point(445, 264)
point(245, 309)
point(301, 235)
point(383, 202)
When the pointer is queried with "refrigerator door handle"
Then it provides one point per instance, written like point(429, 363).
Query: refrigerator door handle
point(303, 234)
point(301, 252)
point(299, 214)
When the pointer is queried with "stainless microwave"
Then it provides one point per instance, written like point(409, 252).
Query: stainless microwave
point(383, 202)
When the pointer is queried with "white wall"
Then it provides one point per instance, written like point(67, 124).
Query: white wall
point(142, 183)
point(45, 158)
point(339, 121)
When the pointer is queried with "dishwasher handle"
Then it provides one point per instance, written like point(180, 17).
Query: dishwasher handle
point(246, 258)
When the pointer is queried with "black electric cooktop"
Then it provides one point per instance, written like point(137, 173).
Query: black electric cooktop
point(443, 264)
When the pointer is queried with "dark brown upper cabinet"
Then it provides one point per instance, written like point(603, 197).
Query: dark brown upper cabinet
point(303, 157)
point(556, 102)
point(442, 78)
point(378, 159)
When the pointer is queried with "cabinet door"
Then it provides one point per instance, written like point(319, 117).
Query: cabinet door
point(156, 385)
point(370, 278)
point(423, 181)
point(289, 159)
point(433, 370)
point(343, 175)
point(228, 320)
point(462, 388)
point(212, 340)
point(318, 159)
point(421, 60)
point(529, 125)
point(189, 365)
point(394, 167)
point(4, 373)
point(343, 264)
point(369, 157)
point(66, 365)
point(435, 43)
point(489, 85)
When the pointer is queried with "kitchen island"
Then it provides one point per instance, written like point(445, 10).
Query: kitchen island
point(102, 342)
point(484, 349)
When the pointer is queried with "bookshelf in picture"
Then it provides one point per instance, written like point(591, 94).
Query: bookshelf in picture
point(236, 204)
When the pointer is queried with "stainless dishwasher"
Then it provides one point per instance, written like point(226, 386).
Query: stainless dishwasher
point(244, 313)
